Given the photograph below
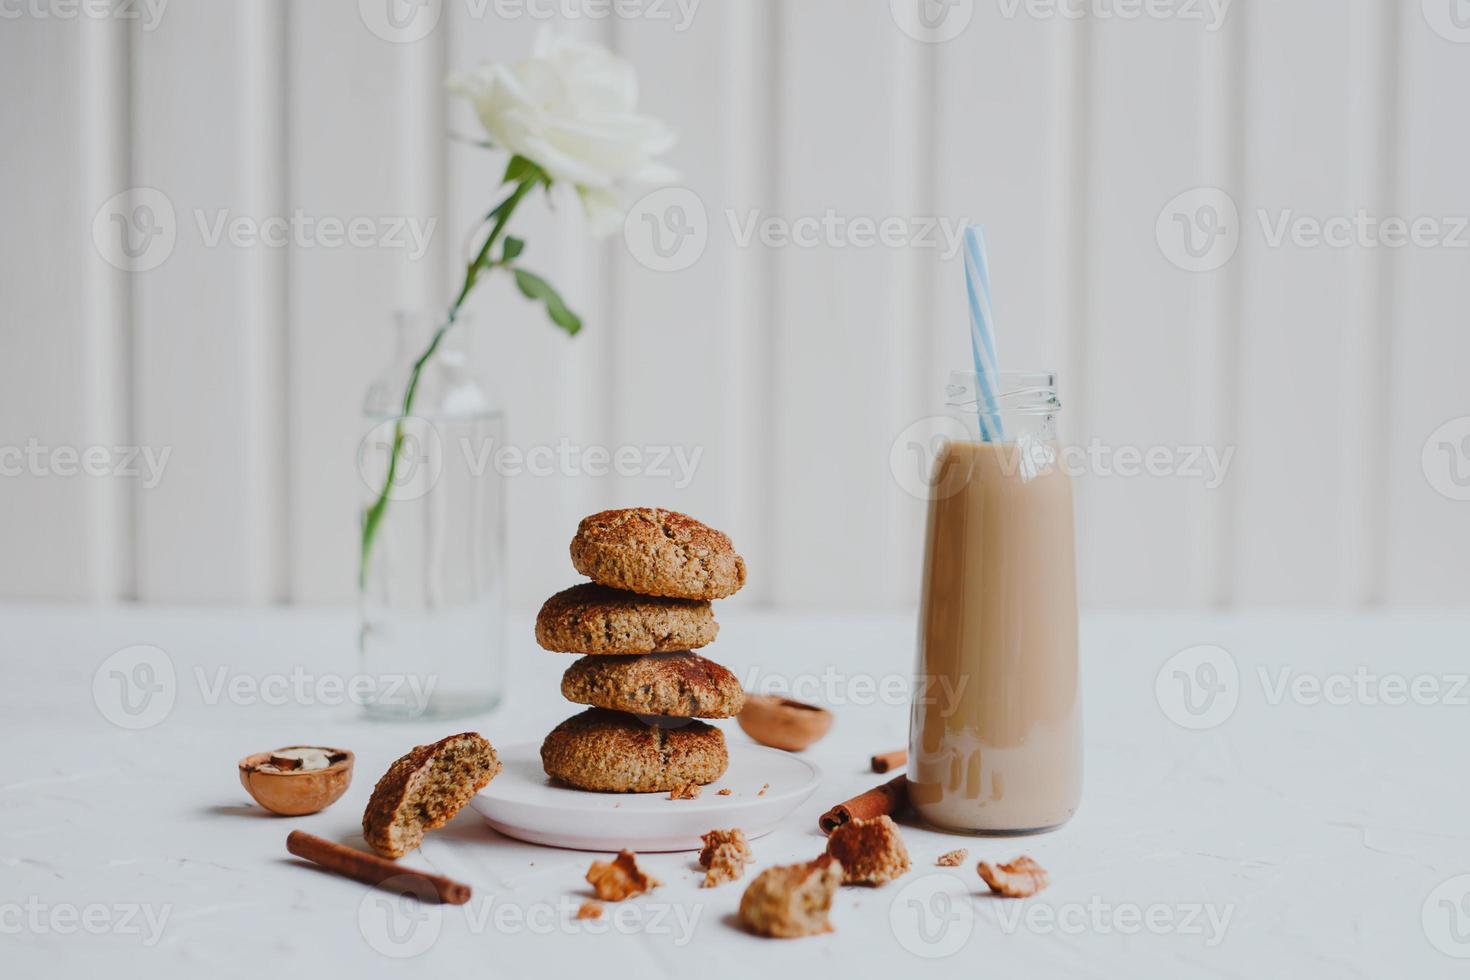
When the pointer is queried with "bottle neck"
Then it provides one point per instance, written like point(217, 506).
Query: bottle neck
point(1015, 407)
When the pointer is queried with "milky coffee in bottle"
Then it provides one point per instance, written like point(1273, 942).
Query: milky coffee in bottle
point(995, 740)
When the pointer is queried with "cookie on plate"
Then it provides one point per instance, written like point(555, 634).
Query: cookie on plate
point(682, 684)
point(613, 752)
point(594, 619)
point(657, 552)
point(422, 790)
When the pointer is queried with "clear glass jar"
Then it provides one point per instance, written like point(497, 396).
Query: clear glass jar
point(432, 577)
point(995, 739)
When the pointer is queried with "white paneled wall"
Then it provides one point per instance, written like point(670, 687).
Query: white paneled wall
point(791, 369)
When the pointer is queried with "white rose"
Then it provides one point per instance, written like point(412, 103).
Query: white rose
point(571, 108)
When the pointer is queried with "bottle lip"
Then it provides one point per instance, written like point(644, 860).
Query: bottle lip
point(1021, 392)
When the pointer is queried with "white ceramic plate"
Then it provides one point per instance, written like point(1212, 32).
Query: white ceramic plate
point(522, 802)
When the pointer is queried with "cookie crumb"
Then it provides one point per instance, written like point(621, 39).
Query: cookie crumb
point(791, 900)
point(763, 789)
point(688, 791)
point(952, 859)
point(724, 792)
point(619, 878)
point(1020, 878)
point(727, 863)
point(590, 910)
point(871, 851)
point(715, 839)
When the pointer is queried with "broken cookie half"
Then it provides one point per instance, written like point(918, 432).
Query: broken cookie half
point(424, 789)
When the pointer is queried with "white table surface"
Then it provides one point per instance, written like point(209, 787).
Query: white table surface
point(1323, 839)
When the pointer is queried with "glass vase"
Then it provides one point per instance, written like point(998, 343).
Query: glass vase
point(431, 578)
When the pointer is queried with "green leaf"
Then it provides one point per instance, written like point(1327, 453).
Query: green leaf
point(520, 169)
point(534, 287)
point(513, 247)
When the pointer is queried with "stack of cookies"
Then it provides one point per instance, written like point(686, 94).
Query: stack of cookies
point(647, 607)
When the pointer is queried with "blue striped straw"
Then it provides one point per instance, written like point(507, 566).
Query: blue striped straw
point(982, 335)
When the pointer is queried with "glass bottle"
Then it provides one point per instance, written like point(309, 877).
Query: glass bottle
point(432, 572)
point(995, 740)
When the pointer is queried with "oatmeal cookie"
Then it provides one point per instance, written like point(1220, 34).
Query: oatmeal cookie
point(614, 752)
point(682, 684)
point(657, 552)
point(594, 619)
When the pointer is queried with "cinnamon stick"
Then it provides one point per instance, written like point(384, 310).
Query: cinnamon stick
point(889, 760)
point(889, 799)
point(369, 868)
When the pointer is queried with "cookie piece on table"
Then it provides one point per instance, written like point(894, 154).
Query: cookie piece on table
point(791, 900)
point(594, 619)
point(871, 851)
point(715, 839)
point(682, 684)
point(657, 552)
point(613, 752)
point(725, 853)
point(425, 788)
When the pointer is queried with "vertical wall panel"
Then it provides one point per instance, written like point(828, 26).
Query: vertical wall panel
point(1365, 353)
point(202, 532)
point(1429, 531)
point(847, 345)
point(690, 338)
point(43, 517)
point(1149, 115)
point(350, 128)
point(1214, 365)
point(264, 310)
point(107, 354)
point(751, 104)
point(1303, 316)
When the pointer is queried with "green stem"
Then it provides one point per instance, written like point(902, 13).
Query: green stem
point(481, 262)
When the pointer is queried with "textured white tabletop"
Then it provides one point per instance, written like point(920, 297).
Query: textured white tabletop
point(1313, 822)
